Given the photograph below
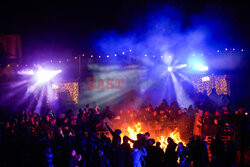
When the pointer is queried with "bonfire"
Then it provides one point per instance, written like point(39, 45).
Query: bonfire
point(159, 135)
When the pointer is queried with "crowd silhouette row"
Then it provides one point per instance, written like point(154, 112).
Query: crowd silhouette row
point(30, 139)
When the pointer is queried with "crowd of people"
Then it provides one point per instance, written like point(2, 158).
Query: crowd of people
point(30, 139)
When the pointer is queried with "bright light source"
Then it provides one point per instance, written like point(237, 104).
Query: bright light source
point(43, 76)
point(204, 68)
point(170, 69)
point(200, 67)
point(204, 79)
point(54, 86)
point(197, 63)
point(25, 72)
point(180, 66)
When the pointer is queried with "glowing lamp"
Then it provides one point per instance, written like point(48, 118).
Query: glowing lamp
point(201, 67)
point(25, 72)
point(43, 76)
point(204, 79)
point(170, 69)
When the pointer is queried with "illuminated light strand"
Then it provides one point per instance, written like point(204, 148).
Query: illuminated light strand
point(220, 83)
point(115, 55)
point(72, 87)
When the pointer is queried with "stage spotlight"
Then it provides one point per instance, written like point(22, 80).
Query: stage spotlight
point(197, 64)
point(26, 72)
point(43, 75)
point(170, 69)
point(201, 67)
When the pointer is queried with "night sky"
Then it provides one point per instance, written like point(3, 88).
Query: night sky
point(59, 28)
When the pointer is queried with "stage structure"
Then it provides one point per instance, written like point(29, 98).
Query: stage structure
point(136, 74)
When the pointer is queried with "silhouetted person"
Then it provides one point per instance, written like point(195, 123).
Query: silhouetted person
point(74, 159)
point(218, 152)
point(158, 155)
point(124, 152)
point(230, 159)
point(116, 141)
point(170, 153)
point(137, 154)
point(102, 160)
point(182, 153)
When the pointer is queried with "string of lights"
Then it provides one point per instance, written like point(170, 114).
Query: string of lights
point(221, 83)
point(71, 87)
point(226, 51)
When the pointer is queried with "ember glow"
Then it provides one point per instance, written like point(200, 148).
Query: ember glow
point(137, 128)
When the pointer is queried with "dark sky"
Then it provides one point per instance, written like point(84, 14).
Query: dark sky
point(69, 25)
point(57, 29)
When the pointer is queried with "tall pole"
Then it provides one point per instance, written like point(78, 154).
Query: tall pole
point(79, 75)
point(79, 68)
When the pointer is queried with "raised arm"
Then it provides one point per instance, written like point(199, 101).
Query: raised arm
point(111, 131)
point(131, 140)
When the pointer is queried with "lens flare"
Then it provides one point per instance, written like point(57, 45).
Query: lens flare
point(43, 76)
point(170, 69)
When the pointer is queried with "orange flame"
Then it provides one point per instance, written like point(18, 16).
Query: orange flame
point(133, 130)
